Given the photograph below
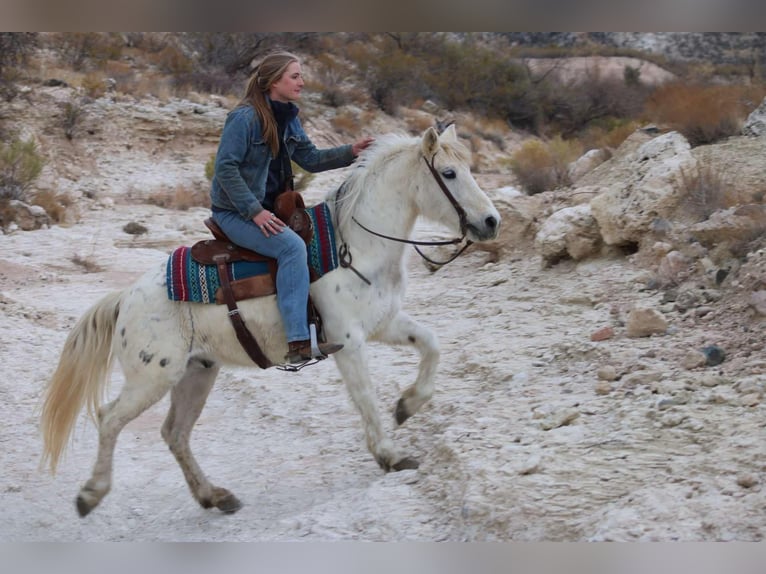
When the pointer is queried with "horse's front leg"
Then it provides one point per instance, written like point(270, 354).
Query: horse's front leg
point(352, 363)
point(403, 330)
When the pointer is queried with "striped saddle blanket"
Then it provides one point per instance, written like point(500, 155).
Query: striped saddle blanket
point(188, 280)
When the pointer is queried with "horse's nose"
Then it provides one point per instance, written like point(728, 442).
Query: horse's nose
point(491, 222)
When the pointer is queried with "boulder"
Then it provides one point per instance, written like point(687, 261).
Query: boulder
point(28, 217)
point(755, 124)
point(644, 321)
point(569, 232)
point(740, 223)
point(637, 197)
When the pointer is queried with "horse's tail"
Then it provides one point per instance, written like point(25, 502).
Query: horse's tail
point(80, 378)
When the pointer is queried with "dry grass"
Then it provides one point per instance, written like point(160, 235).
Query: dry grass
point(88, 263)
point(608, 138)
point(55, 204)
point(94, 84)
point(181, 197)
point(703, 191)
point(543, 165)
point(345, 123)
point(704, 114)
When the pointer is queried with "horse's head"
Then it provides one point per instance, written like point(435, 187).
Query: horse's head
point(452, 196)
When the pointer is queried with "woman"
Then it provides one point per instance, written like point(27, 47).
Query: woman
point(260, 137)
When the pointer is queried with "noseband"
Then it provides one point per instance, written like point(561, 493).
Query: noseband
point(460, 213)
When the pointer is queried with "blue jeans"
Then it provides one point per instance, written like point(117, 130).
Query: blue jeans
point(292, 273)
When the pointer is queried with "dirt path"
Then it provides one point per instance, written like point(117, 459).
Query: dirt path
point(522, 440)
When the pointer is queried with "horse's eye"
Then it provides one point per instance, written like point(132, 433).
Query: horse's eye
point(449, 173)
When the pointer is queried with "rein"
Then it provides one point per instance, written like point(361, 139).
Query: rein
point(463, 228)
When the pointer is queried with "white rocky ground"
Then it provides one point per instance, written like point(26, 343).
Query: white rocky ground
point(535, 433)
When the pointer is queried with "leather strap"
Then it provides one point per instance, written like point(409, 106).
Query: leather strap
point(244, 335)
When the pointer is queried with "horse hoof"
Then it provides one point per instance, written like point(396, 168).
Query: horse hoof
point(400, 413)
point(83, 508)
point(229, 504)
point(406, 463)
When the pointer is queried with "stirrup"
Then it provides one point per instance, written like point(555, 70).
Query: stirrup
point(301, 352)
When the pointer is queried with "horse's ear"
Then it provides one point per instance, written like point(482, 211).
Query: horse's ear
point(430, 142)
point(449, 133)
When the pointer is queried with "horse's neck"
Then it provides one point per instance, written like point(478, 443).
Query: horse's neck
point(383, 210)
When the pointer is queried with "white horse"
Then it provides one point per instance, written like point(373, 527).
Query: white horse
point(165, 345)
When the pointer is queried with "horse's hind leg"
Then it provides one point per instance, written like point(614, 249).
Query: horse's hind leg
point(403, 330)
point(187, 401)
point(136, 396)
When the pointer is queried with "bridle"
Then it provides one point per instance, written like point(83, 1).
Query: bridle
point(346, 256)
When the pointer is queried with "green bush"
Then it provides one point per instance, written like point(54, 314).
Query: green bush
point(20, 166)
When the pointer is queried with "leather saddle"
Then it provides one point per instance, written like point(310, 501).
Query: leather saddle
point(220, 251)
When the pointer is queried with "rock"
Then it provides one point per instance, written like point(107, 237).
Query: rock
point(570, 232)
point(758, 302)
point(586, 163)
point(694, 359)
point(714, 355)
point(607, 373)
point(28, 217)
point(747, 480)
point(740, 223)
point(602, 334)
point(672, 268)
point(603, 388)
point(755, 124)
point(639, 378)
point(559, 419)
point(644, 322)
point(633, 199)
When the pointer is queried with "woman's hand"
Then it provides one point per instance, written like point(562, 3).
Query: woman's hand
point(268, 223)
point(361, 145)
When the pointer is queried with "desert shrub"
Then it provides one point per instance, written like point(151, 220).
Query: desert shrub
point(80, 48)
point(172, 60)
point(94, 84)
point(55, 204)
point(608, 135)
point(15, 48)
point(20, 166)
point(181, 197)
point(703, 191)
point(702, 113)
point(570, 108)
point(72, 113)
point(210, 168)
point(345, 123)
point(87, 262)
point(543, 165)
point(330, 77)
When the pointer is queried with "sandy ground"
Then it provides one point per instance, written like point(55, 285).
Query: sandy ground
point(521, 441)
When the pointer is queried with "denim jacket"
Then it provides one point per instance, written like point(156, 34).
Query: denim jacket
point(242, 161)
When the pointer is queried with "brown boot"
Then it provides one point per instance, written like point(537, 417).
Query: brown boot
point(300, 351)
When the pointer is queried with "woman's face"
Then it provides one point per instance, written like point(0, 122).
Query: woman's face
point(288, 87)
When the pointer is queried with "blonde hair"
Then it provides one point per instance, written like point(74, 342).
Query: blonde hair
point(266, 73)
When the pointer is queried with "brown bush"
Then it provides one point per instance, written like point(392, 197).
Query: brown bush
point(56, 204)
point(94, 84)
point(88, 263)
point(542, 166)
point(703, 113)
point(703, 191)
point(181, 198)
point(610, 136)
point(345, 123)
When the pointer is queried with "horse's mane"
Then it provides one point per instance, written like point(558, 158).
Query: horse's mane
point(383, 154)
